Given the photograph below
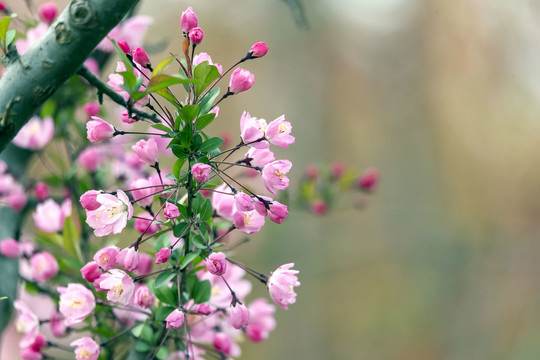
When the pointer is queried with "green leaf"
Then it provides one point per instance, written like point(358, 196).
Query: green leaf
point(189, 258)
point(71, 239)
point(198, 241)
point(162, 81)
point(4, 24)
point(206, 210)
point(143, 331)
point(10, 36)
point(211, 144)
point(168, 295)
point(163, 65)
point(142, 346)
point(122, 56)
point(179, 229)
point(177, 167)
point(130, 81)
point(164, 278)
point(188, 113)
point(206, 74)
point(185, 137)
point(162, 242)
point(179, 151)
point(163, 353)
point(204, 120)
point(202, 291)
point(48, 108)
point(207, 101)
point(138, 95)
point(3, 298)
point(161, 127)
point(163, 312)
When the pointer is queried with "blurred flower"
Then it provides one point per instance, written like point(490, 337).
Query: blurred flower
point(281, 285)
point(35, 134)
point(76, 303)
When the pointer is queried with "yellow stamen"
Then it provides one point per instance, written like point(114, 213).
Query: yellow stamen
point(75, 303)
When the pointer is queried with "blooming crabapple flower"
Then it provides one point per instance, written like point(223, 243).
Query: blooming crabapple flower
point(145, 264)
point(106, 258)
point(201, 172)
point(10, 248)
point(30, 354)
point(57, 325)
point(217, 263)
point(120, 286)
point(27, 323)
point(98, 129)
point(196, 35)
point(278, 132)
point(143, 195)
point(87, 349)
point(90, 272)
point(281, 285)
point(251, 130)
point(90, 158)
point(248, 222)
point(112, 215)
point(41, 191)
point(188, 20)
point(143, 297)
point(259, 157)
point(132, 31)
point(48, 12)
point(261, 320)
point(274, 177)
point(147, 151)
point(35, 134)
point(239, 316)
point(76, 303)
point(43, 266)
point(243, 201)
point(124, 46)
point(319, 207)
point(88, 200)
point(258, 50)
point(204, 309)
point(163, 255)
point(140, 57)
point(98, 281)
point(171, 211)
point(128, 258)
point(369, 179)
point(91, 108)
point(175, 320)
point(222, 343)
point(33, 350)
point(202, 57)
point(223, 203)
point(241, 80)
point(145, 225)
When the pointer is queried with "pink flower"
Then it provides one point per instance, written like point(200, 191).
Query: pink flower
point(251, 130)
point(201, 172)
point(262, 320)
point(143, 297)
point(319, 207)
point(91, 108)
point(175, 320)
point(281, 285)
point(248, 222)
point(57, 325)
point(87, 349)
point(196, 35)
point(10, 248)
point(128, 258)
point(239, 316)
point(188, 20)
point(98, 129)
point(41, 191)
point(88, 200)
point(90, 272)
point(243, 201)
point(76, 303)
point(241, 80)
point(217, 263)
point(278, 132)
point(35, 134)
point(145, 264)
point(274, 177)
point(112, 215)
point(145, 225)
point(126, 119)
point(33, 350)
point(48, 12)
point(171, 211)
point(338, 169)
point(222, 343)
point(106, 258)
point(163, 255)
point(258, 49)
point(124, 46)
point(143, 195)
point(369, 179)
point(140, 57)
point(27, 323)
point(30, 354)
point(202, 57)
point(132, 31)
point(120, 286)
point(204, 309)
point(278, 212)
point(259, 157)
point(223, 203)
point(43, 266)
point(147, 151)
point(90, 158)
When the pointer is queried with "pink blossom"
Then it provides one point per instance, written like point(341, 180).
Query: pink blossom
point(273, 175)
point(106, 258)
point(98, 129)
point(259, 157)
point(48, 12)
point(41, 191)
point(131, 31)
point(281, 285)
point(76, 303)
point(241, 80)
point(252, 130)
point(163, 255)
point(277, 212)
point(120, 286)
point(10, 248)
point(239, 316)
point(124, 46)
point(243, 201)
point(27, 323)
point(258, 49)
point(128, 258)
point(188, 20)
point(30, 354)
point(88, 200)
point(12, 192)
point(175, 320)
point(196, 35)
point(87, 349)
point(112, 215)
point(141, 57)
point(222, 343)
point(32, 36)
point(143, 195)
point(93, 65)
point(43, 266)
point(223, 203)
point(171, 211)
point(215, 110)
point(147, 151)
point(126, 119)
point(90, 272)
point(312, 172)
point(204, 309)
point(145, 224)
point(35, 134)
point(57, 325)
point(202, 57)
point(262, 320)
point(319, 207)
point(217, 263)
point(221, 295)
point(90, 158)
point(34, 348)
point(369, 179)
point(248, 222)
point(201, 172)
point(278, 132)
point(338, 169)
point(145, 264)
point(143, 297)
point(91, 108)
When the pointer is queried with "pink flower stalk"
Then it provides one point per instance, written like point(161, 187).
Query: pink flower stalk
point(261, 321)
point(128, 258)
point(90, 272)
point(248, 222)
point(35, 134)
point(106, 258)
point(188, 20)
point(281, 285)
point(88, 200)
point(87, 349)
point(143, 297)
point(278, 132)
point(98, 129)
point(243, 201)
point(204, 309)
point(76, 303)
point(258, 50)
point(147, 151)
point(175, 320)
point(91, 108)
point(145, 264)
point(120, 286)
point(222, 343)
point(41, 191)
point(43, 266)
point(145, 225)
point(196, 36)
point(259, 157)
point(27, 323)
point(90, 158)
point(141, 57)
point(48, 12)
point(10, 248)
point(251, 130)
point(239, 316)
point(241, 80)
point(163, 255)
point(369, 179)
point(124, 46)
point(57, 325)
point(171, 211)
point(274, 177)
point(217, 263)
point(319, 207)
point(112, 215)
point(143, 195)
point(201, 172)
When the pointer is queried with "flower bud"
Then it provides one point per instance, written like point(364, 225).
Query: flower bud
point(239, 316)
point(243, 201)
point(222, 343)
point(48, 12)
point(188, 20)
point(147, 151)
point(124, 46)
point(163, 255)
point(319, 207)
point(128, 258)
point(91, 108)
point(145, 225)
point(143, 297)
point(196, 36)
point(98, 129)
point(10, 248)
point(217, 263)
point(41, 191)
point(241, 80)
point(126, 119)
point(175, 320)
point(43, 266)
point(338, 169)
point(2, 6)
point(88, 200)
point(204, 309)
point(368, 180)
point(201, 172)
point(90, 272)
point(90, 158)
point(140, 57)
point(259, 49)
point(145, 264)
point(57, 324)
point(171, 211)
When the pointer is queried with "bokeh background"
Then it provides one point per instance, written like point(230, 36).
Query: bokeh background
point(443, 97)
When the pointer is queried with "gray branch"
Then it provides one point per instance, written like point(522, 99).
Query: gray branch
point(31, 79)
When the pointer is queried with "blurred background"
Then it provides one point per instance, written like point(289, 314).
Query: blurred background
point(443, 97)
